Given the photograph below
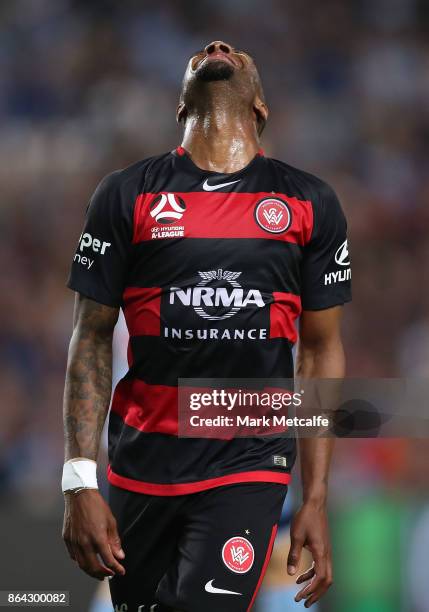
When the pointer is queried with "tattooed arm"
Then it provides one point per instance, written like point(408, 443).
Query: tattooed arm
point(89, 529)
point(89, 377)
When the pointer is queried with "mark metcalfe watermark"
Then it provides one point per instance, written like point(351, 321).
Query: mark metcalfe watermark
point(243, 408)
point(355, 408)
point(258, 403)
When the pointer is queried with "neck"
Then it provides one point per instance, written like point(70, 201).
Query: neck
point(220, 139)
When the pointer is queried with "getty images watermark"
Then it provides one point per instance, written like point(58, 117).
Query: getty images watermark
point(263, 409)
point(360, 408)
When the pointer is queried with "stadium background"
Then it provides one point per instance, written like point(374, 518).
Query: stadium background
point(87, 87)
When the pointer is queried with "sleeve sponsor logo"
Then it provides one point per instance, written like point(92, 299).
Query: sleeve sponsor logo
point(86, 241)
point(342, 255)
point(342, 259)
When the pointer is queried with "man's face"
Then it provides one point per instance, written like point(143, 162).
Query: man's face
point(219, 61)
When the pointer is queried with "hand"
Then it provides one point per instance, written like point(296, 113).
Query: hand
point(91, 535)
point(309, 530)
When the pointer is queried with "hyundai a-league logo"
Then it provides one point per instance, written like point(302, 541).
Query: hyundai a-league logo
point(167, 208)
point(273, 215)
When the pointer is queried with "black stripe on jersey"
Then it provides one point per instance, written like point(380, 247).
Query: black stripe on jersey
point(269, 265)
point(163, 362)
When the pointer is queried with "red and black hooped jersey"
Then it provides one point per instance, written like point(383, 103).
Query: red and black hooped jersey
point(212, 271)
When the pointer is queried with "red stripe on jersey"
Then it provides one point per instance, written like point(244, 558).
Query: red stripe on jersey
point(283, 312)
point(155, 409)
point(142, 307)
point(265, 565)
point(149, 408)
point(152, 488)
point(222, 215)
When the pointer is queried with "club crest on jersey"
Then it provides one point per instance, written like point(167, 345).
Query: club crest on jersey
point(167, 208)
point(238, 555)
point(212, 300)
point(273, 215)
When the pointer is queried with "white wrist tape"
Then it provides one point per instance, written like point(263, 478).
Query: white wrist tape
point(78, 474)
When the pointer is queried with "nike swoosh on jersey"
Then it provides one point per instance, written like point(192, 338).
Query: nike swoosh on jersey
point(208, 187)
point(211, 589)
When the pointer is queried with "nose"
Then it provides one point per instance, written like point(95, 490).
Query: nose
point(218, 45)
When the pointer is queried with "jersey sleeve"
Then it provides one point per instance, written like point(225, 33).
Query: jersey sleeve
point(326, 271)
point(100, 264)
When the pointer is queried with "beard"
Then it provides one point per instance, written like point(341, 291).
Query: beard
point(215, 71)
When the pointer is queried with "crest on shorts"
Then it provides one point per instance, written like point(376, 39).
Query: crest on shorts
point(238, 555)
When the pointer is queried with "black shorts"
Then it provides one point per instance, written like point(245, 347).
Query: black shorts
point(203, 552)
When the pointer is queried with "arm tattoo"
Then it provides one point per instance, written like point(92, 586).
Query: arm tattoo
point(88, 383)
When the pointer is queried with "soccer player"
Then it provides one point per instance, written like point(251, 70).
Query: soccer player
point(212, 251)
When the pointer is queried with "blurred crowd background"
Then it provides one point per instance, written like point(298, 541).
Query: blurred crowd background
point(88, 87)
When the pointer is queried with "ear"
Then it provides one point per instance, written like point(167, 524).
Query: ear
point(181, 112)
point(261, 113)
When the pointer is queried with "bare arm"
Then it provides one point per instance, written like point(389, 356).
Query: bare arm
point(89, 377)
point(320, 355)
point(89, 530)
